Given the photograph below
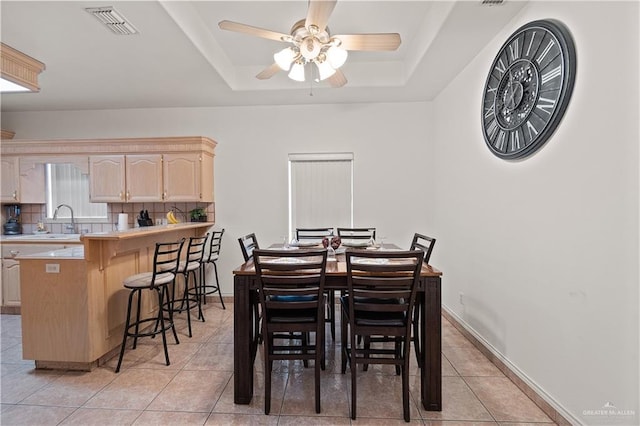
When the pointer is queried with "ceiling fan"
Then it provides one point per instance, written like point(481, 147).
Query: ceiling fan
point(311, 42)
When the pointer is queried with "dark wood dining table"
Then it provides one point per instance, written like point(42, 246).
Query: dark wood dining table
point(245, 339)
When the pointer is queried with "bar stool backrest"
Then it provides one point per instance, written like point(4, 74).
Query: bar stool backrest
point(166, 259)
point(215, 244)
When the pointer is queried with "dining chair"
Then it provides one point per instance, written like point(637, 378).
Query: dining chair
point(380, 300)
point(424, 243)
point(248, 244)
point(313, 233)
point(357, 233)
point(165, 268)
point(291, 292)
point(319, 234)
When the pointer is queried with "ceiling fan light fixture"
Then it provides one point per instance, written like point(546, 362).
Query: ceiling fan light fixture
point(325, 70)
point(297, 71)
point(285, 58)
point(336, 56)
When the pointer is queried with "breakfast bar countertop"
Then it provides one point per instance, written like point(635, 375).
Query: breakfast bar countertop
point(64, 253)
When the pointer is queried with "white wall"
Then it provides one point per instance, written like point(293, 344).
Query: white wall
point(392, 189)
point(545, 250)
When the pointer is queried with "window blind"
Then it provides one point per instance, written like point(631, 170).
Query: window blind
point(320, 190)
point(67, 185)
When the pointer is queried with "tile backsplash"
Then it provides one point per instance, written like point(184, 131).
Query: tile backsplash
point(31, 214)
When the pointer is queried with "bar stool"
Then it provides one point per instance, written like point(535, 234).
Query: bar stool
point(165, 265)
point(188, 266)
point(215, 243)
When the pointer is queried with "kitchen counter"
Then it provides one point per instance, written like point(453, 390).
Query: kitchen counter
point(65, 253)
point(40, 238)
point(73, 301)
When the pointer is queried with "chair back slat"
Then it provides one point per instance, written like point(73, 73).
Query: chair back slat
point(313, 233)
point(424, 243)
point(382, 281)
point(248, 244)
point(357, 233)
point(215, 244)
point(290, 280)
point(166, 258)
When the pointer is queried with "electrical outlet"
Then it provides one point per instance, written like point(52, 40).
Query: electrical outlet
point(52, 268)
point(461, 298)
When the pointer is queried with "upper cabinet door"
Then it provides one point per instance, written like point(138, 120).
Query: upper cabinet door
point(10, 184)
point(144, 178)
point(107, 178)
point(182, 177)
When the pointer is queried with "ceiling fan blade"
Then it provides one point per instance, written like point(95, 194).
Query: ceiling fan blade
point(337, 79)
point(268, 72)
point(383, 41)
point(254, 31)
point(319, 12)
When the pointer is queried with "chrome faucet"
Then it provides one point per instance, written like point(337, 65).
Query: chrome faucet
point(71, 227)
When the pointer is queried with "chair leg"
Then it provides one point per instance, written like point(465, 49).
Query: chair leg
point(417, 344)
point(165, 292)
point(405, 388)
point(343, 339)
point(215, 270)
point(162, 327)
point(267, 374)
point(135, 337)
point(185, 299)
point(125, 333)
point(353, 382)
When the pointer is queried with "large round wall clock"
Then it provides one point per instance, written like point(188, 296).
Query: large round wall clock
point(528, 89)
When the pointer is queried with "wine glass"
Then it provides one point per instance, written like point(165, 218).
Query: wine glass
point(381, 242)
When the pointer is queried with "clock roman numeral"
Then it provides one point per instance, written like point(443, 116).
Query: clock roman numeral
point(514, 140)
point(514, 50)
point(533, 37)
point(532, 130)
point(489, 112)
point(546, 105)
point(500, 141)
point(556, 72)
point(545, 51)
point(500, 66)
point(492, 129)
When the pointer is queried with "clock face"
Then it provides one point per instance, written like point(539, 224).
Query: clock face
point(528, 89)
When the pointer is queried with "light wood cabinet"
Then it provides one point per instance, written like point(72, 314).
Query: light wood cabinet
point(21, 183)
point(10, 183)
point(120, 170)
point(11, 268)
point(125, 178)
point(10, 282)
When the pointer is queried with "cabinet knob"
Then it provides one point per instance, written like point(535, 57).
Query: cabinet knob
point(120, 195)
point(128, 196)
point(15, 195)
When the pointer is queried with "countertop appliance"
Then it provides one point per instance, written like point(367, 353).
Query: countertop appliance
point(13, 226)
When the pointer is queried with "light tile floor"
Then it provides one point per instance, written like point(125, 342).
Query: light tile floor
point(197, 388)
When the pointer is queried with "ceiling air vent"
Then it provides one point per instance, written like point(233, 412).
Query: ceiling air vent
point(492, 2)
point(112, 20)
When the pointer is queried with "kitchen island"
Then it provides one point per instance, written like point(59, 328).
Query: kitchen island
point(73, 301)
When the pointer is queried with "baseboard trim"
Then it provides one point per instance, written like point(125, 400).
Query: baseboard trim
point(546, 403)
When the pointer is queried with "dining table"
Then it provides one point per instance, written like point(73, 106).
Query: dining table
point(245, 335)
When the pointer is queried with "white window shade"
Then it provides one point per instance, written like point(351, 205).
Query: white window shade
point(320, 190)
point(66, 184)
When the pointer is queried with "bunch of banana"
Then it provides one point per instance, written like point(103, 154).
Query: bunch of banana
point(171, 217)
